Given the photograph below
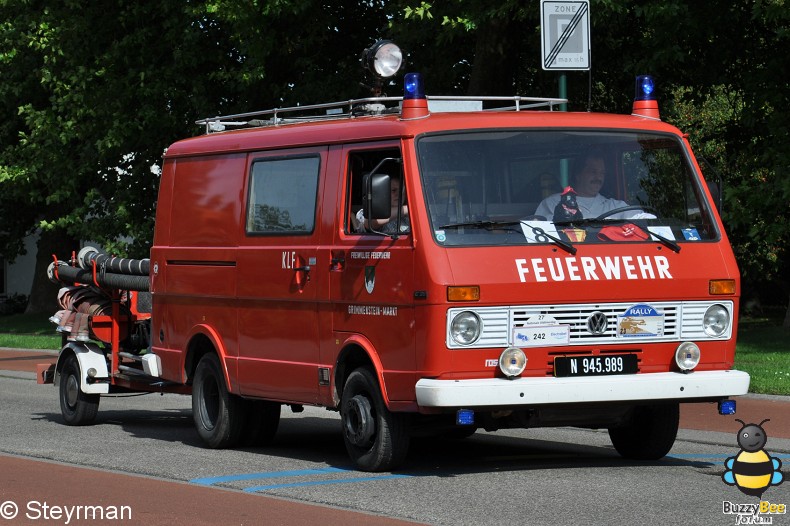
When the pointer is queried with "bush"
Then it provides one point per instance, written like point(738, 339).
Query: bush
point(13, 304)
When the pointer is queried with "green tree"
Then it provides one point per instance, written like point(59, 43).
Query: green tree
point(92, 93)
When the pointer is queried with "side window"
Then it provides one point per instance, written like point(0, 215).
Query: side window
point(282, 196)
point(361, 163)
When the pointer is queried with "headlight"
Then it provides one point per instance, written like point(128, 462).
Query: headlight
point(687, 356)
point(716, 321)
point(512, 362)
point(465, 328)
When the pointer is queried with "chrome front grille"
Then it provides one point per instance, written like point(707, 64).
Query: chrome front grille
point(682, 321)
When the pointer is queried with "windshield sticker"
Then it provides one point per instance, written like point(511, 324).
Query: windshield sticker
point(639, 321)
point(536, 231)
point(441, 237)
point(691, 234)
point(575, 235)
point(663, 231)
point(596, 268)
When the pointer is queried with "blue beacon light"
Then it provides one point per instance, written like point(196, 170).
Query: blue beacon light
point(645, 103)
point(415, 105)
point(413, 88)
point(727, 407)
point(645, 88)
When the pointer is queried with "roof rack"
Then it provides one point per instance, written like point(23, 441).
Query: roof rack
point(360, 107)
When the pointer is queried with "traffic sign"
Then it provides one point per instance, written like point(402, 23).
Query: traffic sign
point(565, 34)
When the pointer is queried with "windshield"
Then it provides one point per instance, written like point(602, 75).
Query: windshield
point(561, 187)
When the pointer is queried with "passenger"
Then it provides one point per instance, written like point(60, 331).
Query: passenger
point(589, 173)
point(388, 226)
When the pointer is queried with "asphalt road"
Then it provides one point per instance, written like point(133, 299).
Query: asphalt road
point(144, 453)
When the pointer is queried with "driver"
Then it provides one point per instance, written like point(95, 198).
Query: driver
point(589, 172)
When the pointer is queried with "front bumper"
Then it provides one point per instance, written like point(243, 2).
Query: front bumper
point(497, 392)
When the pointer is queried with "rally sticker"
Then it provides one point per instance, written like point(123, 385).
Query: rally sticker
point(541, 330)
point(640, 321)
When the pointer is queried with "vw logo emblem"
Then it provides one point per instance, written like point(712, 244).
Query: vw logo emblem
point(596, 323)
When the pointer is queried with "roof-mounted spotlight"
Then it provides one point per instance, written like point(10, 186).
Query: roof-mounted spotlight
point(384, 59)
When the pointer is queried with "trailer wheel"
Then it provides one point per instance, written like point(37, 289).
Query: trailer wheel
point(77, 408)
point(261, 423)
point(649, 434)
point(375, 438)
point(218, 414)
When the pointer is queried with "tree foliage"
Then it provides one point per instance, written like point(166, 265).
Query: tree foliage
point(91, 93)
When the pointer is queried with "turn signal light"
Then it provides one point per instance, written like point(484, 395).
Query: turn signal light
point(470, 293)
point(719, 287)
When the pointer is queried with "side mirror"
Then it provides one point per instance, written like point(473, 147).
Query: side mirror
point(377, 196)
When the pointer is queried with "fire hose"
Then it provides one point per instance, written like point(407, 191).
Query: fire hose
point(64, 272)
point(137, 267)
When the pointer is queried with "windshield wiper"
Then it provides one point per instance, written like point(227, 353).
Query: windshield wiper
point(665, 241)
point(557, 241)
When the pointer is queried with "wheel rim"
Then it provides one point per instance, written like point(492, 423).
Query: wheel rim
point(359, 421)
point(72, 391)
point(210, 403)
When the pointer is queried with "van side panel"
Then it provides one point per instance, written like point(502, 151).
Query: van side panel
point(194, 260)
point(278, 295)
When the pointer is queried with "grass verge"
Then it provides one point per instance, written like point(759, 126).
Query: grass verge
point(763, 352)
point(762, 349)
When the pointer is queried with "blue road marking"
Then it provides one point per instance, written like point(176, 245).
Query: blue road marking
point(208, 481)
point(323, 482)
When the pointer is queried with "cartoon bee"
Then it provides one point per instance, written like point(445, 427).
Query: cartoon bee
point(752, 470)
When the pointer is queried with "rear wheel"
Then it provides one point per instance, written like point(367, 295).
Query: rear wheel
point(218, 415)
point(77, 408)
point(375, 438)
point(649, 434)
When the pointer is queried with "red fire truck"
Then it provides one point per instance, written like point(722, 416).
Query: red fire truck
point(425, 265)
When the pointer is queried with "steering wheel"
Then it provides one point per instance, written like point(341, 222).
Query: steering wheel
point(614, 211)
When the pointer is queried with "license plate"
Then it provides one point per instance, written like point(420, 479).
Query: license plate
point(595, 365)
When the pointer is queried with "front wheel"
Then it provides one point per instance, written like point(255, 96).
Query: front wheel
point(77, 408)
point(218, 415)
point(375, 438)
point(649, 434)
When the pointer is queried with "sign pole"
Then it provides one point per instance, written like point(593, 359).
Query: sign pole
point(563, 94)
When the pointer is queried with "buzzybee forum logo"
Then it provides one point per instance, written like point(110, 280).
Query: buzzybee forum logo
point(752, 470)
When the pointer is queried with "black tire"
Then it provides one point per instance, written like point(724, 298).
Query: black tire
point(77, 408)
point(375, 438)
point(649, 434)
point(261, 423)
point(218, 415)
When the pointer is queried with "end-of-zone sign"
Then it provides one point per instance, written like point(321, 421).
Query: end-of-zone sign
point(565, 34)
